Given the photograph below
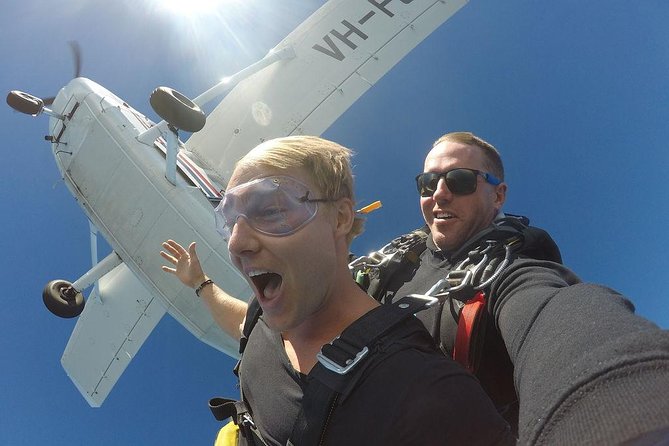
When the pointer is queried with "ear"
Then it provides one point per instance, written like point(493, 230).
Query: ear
point(500, 196)
point(345, 215)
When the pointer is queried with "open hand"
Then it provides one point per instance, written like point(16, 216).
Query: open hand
point(186, 263)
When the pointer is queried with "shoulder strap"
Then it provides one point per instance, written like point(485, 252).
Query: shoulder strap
point(223, 408)
point(342, 363)
point(463, 292)
point(253, 313)
point(535, 242)
point(466, 286)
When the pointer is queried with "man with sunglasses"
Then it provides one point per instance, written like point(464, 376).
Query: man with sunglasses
point(323, 362)
point(565, 362)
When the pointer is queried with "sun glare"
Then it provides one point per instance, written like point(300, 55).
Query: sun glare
point(220, 37)
point(191, 7)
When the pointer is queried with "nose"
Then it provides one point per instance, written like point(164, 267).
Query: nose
point(442, 192)
point(243, 238)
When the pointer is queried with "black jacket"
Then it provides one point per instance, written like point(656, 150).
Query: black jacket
point(584, 368)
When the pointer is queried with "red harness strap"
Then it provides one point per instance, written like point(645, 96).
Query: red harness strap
point(467, 325)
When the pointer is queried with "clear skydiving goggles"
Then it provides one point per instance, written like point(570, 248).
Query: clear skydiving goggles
point(277, 205)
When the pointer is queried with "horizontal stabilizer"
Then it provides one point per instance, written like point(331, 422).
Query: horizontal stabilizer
point(116, 321)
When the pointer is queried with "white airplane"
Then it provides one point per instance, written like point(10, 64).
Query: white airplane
point(139, 185)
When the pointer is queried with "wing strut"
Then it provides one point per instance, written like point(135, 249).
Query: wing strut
point(107, 264)
point(229, 82)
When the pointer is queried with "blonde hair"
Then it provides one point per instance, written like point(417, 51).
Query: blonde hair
point(328, 163)
point(491, 155)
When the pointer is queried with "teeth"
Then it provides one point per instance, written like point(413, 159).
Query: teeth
point(258, 272)
point(443, 215)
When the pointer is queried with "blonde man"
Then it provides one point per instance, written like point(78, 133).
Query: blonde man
point(288, 216)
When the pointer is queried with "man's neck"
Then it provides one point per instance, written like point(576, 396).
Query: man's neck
point(302, 343)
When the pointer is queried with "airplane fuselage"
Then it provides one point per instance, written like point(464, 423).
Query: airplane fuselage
point(120, 184)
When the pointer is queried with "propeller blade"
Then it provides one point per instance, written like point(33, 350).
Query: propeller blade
point(76, 53)
point(76, 56)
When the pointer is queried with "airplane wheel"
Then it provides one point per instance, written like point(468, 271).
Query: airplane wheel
point(177, 109)
point(63, 300)
point(25, 103)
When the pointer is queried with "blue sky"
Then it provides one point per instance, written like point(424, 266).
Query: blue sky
point(574, 94)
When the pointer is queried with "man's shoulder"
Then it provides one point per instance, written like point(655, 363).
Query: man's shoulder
point(420, 396)
point(528, 241)
point(411, 354)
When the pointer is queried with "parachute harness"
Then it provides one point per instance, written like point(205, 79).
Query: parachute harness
point(463, 287)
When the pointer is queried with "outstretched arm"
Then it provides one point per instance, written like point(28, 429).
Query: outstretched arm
point(587, 369)
point(227, 311)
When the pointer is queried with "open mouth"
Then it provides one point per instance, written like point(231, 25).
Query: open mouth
point(266, 283)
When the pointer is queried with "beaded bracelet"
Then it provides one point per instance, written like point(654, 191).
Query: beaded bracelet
point(202, 285)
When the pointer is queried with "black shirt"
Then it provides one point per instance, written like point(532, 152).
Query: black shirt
point(412, 397)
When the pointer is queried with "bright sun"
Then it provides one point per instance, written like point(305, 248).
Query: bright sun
point(190, 7)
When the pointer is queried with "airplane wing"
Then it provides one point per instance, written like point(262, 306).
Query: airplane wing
point(109, 332)
point(340, 52)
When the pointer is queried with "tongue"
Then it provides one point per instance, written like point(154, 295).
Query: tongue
point(272, 287)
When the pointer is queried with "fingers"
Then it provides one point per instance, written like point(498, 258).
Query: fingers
point(175, 248)
point(168, 257)
point(191, 250)
point(185, 262)
point(167, 269)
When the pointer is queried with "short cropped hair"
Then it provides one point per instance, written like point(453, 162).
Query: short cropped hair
point(491, 156)
point(328, 163)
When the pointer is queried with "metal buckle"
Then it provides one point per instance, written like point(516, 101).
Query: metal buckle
point(443, 286)
point(428, 301)
point(335, 367)
point(247, 420)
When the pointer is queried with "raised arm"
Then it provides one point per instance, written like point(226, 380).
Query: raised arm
point(227, 311)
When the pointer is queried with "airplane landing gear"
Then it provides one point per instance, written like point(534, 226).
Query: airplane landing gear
point(25, 103)
point(177, 110)
point(29, 104)
point(62, 299)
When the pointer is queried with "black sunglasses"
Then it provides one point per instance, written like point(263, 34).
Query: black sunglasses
point(459, 181)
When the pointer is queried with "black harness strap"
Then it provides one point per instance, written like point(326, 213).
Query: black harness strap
point(223, 408)
point(253, 313)
point(342, 363)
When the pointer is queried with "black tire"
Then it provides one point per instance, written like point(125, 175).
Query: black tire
point(177, 109)
point(25, 103)
point(58, 302)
